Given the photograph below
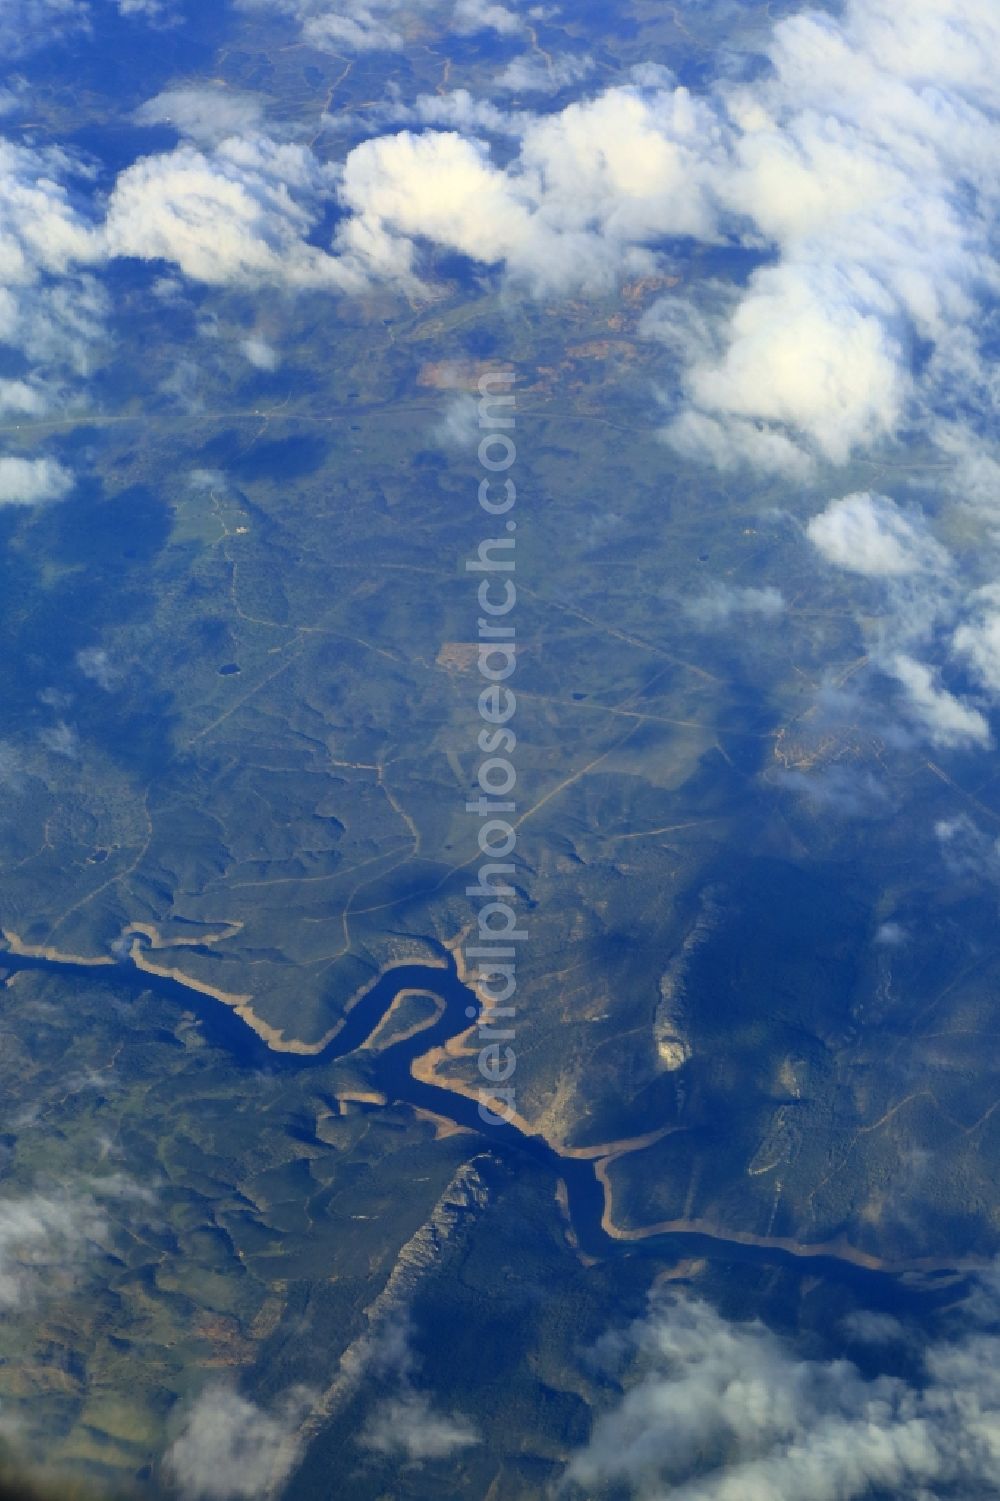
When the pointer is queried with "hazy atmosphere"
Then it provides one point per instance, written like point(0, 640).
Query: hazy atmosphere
point(500, 824)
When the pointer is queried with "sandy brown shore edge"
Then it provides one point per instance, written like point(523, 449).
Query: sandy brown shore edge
point(425, 1070)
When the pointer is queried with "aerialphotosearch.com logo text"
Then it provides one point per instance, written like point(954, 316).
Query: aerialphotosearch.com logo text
point(492, 956)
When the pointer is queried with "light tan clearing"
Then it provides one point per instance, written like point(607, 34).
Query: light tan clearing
point(839, 1248)
point(453, 375)
point(158, 941)
point(377, 1038)
point(24, 950)
point(682, 1271)
point(459, 656)
point(425, 1069)
point(272, 1036)
point(361, 1097)
point(443, 1127)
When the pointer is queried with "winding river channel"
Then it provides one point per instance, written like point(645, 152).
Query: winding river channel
point(392, 1074)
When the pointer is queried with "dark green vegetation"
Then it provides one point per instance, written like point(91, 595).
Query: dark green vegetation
point(306, 816)
point(216, 1213)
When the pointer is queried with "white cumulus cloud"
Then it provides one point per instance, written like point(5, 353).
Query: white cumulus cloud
point(529, 74)
point(203, 113)
point(259, 353)
point(30, 482)
point(731, 1412)
point(382, 25)
point(719, 604)
point(592, 188)
point(409, 1427)
point(52, 310)
point(869, 534)
point(946, 719)
point(858, 162)
point(230, 1449)
point(977, 641)
point(240, 213)
point(26, 25)
point(44, 1239)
